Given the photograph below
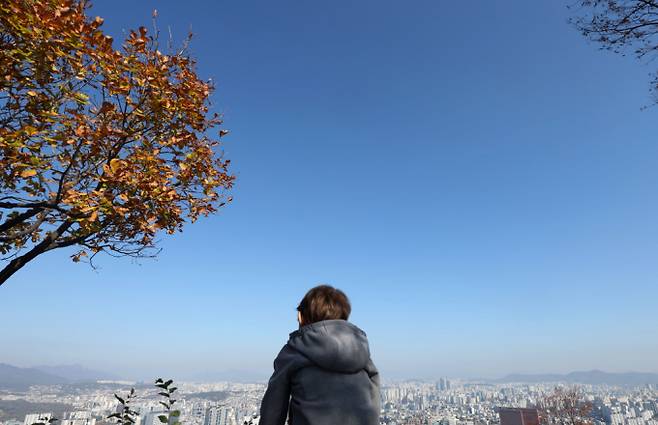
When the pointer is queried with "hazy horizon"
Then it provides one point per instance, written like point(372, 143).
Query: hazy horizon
point(237, 375)
point(479, 179)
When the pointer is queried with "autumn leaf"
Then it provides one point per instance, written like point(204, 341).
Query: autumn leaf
point(115, 164)
point(28, 173)
point(29, 130)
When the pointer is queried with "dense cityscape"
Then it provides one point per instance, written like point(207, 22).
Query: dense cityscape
point(182, 186)
point(445, 402)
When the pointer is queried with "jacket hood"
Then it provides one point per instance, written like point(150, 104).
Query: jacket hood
point(335, 345)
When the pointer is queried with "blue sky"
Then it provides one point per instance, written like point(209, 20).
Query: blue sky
point(478, 178)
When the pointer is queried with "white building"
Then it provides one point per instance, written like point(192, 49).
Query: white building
point(35, 418)
point(151, 418)
point(78, 418)
point(220, 416)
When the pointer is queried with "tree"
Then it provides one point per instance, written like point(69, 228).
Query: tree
point(100, 148)
point(565, 406)
point(622, 26)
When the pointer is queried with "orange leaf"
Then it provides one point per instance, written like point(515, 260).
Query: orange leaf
point(28, 173)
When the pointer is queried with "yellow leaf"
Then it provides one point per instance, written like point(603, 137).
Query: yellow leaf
point(28, 173)
point(29, 130)
point(123, 197)
point(93, 216)
point(31, 93)
point(115, 164)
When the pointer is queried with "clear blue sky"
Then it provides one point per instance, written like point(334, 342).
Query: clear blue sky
point(478, 178)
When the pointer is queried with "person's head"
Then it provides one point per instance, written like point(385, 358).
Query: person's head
point(323, 302)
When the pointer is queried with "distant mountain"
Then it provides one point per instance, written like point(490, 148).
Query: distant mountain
point(77, 373)
point(20, 379)
point(592, 377)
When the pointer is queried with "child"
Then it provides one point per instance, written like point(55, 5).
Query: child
point(324, 374)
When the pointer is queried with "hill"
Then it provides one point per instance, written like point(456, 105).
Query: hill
point(592, 377)
point(77, 373)
point(20, 379)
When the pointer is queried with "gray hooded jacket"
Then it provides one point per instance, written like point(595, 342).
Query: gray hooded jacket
point(323, 376)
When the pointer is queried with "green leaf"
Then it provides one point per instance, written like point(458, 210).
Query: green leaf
point(163, 418)
point(175, 413)
point(122, 401)
point(164, 394)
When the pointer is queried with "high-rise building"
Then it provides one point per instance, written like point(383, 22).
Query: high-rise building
point(37, 418)
point(151, 417)
point(443, 384)
point(77, 418)
point(518, 416)
point(220, 416)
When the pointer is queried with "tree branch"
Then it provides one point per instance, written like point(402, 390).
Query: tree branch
point(19, 219)
point(17, 263)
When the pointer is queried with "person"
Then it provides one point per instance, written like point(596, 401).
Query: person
point(324, 374)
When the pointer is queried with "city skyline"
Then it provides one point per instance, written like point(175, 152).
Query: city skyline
point(487, 199)
point(409, 403)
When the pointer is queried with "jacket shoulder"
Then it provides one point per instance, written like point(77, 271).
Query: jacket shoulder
point(289, 358)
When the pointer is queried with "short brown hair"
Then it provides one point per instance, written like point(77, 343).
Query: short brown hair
point(324, 302)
